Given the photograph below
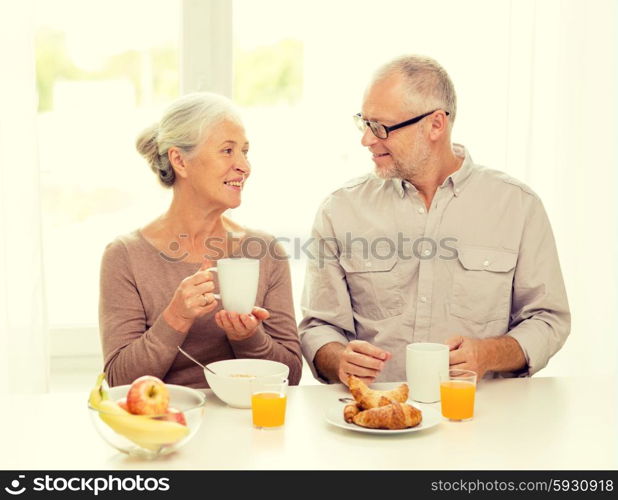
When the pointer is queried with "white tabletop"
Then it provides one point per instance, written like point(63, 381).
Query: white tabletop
point(536, 423)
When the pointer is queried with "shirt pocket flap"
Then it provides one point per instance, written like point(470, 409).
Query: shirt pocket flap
point(359, 263)
point(486, 259)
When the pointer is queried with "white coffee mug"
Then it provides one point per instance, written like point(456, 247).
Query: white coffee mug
point(238, 283)
point(425, 362)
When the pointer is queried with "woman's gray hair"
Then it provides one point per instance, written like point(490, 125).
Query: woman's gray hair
point(425, 79)
point(185, 123)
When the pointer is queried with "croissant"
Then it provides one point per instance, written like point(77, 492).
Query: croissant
point(350, 411)
point(370, 398)
point(393, 416)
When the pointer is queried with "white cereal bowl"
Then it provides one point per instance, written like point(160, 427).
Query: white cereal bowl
point(236, 391)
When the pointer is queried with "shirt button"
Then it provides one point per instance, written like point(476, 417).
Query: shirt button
point(421, 210)
point(457, 191)
point(368, 264)
point(426, 252)
point(486, 263)
point(423, 299)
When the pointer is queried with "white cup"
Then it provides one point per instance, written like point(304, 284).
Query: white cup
point(425, 363)
point(238, 283)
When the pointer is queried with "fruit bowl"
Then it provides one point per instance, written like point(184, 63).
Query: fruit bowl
point(150, 436)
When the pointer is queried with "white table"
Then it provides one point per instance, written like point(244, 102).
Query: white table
point(537, 423)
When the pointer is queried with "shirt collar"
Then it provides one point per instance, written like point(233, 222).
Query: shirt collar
point(457, 179)
point(401, 186)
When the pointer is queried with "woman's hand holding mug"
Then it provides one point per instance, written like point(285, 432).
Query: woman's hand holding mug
point(238, 282)
point(192, 299)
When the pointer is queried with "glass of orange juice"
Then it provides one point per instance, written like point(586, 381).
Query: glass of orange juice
point(268, 402)
point(457, 390)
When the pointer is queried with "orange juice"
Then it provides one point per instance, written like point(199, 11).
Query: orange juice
point(457, 398)
point(268, 409)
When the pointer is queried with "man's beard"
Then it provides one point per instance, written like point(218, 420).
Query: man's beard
point(393, 171)
point(410, 170)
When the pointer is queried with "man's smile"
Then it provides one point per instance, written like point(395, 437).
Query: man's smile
point(377, 157)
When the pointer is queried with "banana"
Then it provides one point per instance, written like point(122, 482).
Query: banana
point(98, 392)
point(145, 432)
point(142, 430)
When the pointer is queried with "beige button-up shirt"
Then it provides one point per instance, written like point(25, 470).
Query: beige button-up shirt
point(481, 262)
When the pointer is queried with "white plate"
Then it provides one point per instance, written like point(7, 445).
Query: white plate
point(334, 416)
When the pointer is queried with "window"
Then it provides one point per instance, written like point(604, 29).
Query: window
point(104, 70)
point(299, 75)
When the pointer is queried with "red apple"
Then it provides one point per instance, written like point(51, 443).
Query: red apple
point(148, 396)
point(123, 404)
point(174, 415)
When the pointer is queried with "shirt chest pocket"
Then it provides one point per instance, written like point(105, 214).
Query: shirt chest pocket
point(482, 284)
point(374, 286)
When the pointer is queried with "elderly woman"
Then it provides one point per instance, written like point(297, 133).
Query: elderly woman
point(156, 292)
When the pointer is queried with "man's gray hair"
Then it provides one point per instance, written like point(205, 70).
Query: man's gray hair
point(185, 123)
point(425, 79)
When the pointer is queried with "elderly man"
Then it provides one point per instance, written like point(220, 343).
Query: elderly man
point(429, 248)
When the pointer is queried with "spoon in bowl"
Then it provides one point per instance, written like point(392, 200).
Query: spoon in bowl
point(195, 360)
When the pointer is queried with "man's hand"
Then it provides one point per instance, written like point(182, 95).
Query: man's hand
point(362, 360)
point(468, 354)
point(482, 355)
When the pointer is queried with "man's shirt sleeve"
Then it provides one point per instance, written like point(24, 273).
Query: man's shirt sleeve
point(326, 308)
point(540, 317)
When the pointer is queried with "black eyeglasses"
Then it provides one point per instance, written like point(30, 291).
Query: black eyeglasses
point(382, 131)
